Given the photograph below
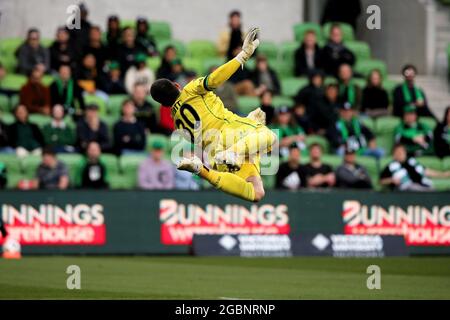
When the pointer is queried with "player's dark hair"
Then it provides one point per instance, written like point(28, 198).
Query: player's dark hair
point(314, 145)
point(409, 66)
point(235, 13)
point(165, 92)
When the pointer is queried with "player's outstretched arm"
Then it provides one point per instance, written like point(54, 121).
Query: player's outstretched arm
point(225, 71)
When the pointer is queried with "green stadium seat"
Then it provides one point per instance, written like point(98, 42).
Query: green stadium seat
point(347, 30)
point(73, 163)
point(111, 163)
point(47, 80)
point(288, 49)
point(430, 122)
point(280, 101)
point(283, 69)
point(431, 162)
point(369, 123)
point(8, 48)
point(361, 83)
point(153, 63)
point(268, 49)
point(364, 67)
point(93, 99)
point(311, 139)
point(383, 162)
point(389, 86)
point(110, 121)
point(269, 181)
point(371, 165)
point(7, 118)
point(386, 124)
point(160, 30)
point(211, 62)
point(247, 104)
point(47, 42)
point(291, 86)
point(385, 141)
point(333, 160)
point(446, 163)
point(441, 184)
point(202, 49)
point(14, 101)
point(4, 103)
point(301, 28)
point(13, 81)
point(39, 119)
point(193, 64)
point(130, 166)
point(30, 165)
point(360, 49)
point(125, 23)
point(115, 104)
point(330, 80)
point(156, 137)
point(117, 181)
point(179, 46)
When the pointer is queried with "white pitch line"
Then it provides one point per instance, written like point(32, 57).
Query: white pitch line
point(230, 298)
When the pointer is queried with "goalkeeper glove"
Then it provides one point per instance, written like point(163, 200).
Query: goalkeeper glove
point(249, 46)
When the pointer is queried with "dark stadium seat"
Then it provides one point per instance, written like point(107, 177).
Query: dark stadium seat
point(301, 28)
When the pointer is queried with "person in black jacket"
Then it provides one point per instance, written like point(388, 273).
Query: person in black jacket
point(91, 128)
point(128, 49)
point(5, 146)
point(143, 38)
point(311, 95)
point(308, 57)
point(334, 53)
point(129, 133)
point(24, 136)
point(61, 51)
point(264, 78)
point(442, 136)
point(266, 105)
point(95, 46)
point(66, 92)
point(291, 174)
point(375, 100)
point(93, 172)
point(113, 36)
point(165, 69)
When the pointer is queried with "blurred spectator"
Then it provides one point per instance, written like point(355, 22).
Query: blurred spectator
point(308, 57)
point(61, 51)
point(57, 134)
point(241, 79)
point(348, 90)
point(24, 136)
point(311, 95)
point(334, 53)
point(352, 175)
point(349, 132)
point(288, 131)
point(414, 134)
point(408, 93)
point(165, 69)
point(3, 183)
point(5, 146)
point(185, 180)
point(177, 72)
point(66, 91)
point(301, 118)
point(96, 47)
point(93, 170)
point(34, 95)
point(266, 105)
point(406, 174)
point(88, 74)
point(79, 37)
point(113, 36)
point(139, 73)
point(155, 173)
point(143, 37)
point(264, 77)
point(128, 50)
point(375, 99)
point(129, 134)
point(91, 128)
point(342, 11)
point(318, 175)
point(144, 110)
point(226, 93)
point(111, 81)
point(51, 173)
point(442, 136)
point(32, 53)
point(290, 174)
point(325, 114)
point(230, 39)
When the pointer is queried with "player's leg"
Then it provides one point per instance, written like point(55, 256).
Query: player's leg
point(250, 173)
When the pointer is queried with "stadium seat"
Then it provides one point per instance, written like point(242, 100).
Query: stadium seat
point(73, 163)
point(301, 28)
point(268, 49)
point(431, 162)
point(288, 49)
point(110, 121)
point(177, 44)
point(13, 81)
point(333, 160)
point(347, 31)
point(7, 118)
point(202, 49)
point(389, 86)
point(283, 69)
point(39, 119)
point(125, 23)
point(153, 63)
point(8, 48)
point(330, 80)
point(115, 104)
point(291, 86)
point(364, 67)
point(29, 166)
point(130, 165)
point(4, 103)
point(111, 163)
point(280, 101)
point(211, 62)
point(441, 184)
point(312, 138)
point(386, 124)
point(371, 165)
point(360, 49)
point(156, 137)
point(247, 104)
point(369, 123)
point(385, 141)
point(193, 64)
point(14, 101)
point(269, 181)
point(446, 163)
point(361, 83)
point(93, 99)
point(430, 122)
point(46, 42)
point(160, 30)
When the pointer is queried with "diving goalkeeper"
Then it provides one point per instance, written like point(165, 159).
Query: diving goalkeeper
point(234, 143)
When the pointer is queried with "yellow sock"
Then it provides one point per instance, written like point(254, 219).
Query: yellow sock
point(259, 141)
point(229, 183)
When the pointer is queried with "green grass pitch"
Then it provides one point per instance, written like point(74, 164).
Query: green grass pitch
point(223, 278)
